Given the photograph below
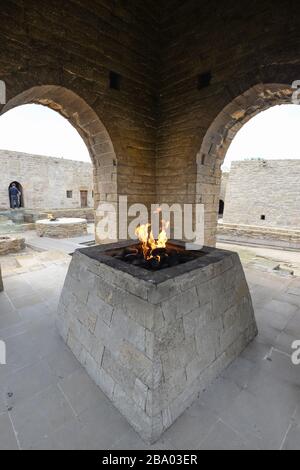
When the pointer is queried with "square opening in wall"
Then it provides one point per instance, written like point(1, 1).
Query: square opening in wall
point(69, 194)
point(115, 80)
point(204, 80)
point(262, 217)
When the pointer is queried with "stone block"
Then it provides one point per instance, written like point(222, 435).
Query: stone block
point(61, 228)
point(11, 245)
point(153, 353)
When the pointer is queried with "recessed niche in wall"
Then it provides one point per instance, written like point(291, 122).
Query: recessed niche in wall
point(204, 80)
point(115, 80)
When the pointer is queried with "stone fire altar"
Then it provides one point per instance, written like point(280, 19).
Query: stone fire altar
point(61, 228)
point(152, 341)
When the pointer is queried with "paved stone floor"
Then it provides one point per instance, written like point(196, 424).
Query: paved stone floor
point(47, 401)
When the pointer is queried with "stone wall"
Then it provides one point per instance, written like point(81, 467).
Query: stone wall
point(45, 180)
point(224, 183)
point(53, 52)
point(179, 64)
point(211, 54)
point(264, 193)
point(62, 228)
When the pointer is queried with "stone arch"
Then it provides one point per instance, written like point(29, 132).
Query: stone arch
point(88, 124)
point(218, 139)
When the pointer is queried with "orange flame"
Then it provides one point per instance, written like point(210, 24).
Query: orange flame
point(149, 244)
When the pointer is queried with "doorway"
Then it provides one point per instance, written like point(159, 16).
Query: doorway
point(20, 198)
point(84, 199)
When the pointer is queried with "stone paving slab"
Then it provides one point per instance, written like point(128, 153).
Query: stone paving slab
point(53, 404)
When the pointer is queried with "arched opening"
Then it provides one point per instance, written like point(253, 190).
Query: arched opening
point(218, 138)
point(15, 194)
point(88, 124)
point(263, 161)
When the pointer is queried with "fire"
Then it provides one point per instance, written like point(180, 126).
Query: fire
point(149, 244)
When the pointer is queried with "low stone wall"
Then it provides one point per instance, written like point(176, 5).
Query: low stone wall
point(29, 216)
point(281, 237)
point(11, 245)
point(153, 341)
point(87, 214)
point(61, 228)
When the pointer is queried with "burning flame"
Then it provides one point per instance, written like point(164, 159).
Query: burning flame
point(149, 244)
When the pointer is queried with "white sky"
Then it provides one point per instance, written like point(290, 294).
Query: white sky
point(39, 130)
point(272, 134)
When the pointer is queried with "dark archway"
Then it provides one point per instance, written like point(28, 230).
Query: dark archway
point(20, 197)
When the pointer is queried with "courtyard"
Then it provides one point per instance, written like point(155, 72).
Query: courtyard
point(48, 401)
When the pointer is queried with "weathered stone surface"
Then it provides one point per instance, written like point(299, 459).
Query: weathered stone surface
point(268, 188)
point(61, 228)
point(11, 245)
point(277, 236)
point(153, 369)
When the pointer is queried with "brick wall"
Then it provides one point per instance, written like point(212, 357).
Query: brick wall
point(45, 180)
point(76, 45)
point(268, 189)
point(241, 44)
point(154, 126)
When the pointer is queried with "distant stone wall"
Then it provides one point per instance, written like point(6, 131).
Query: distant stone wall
point(269, 236)
point(224, 182)
point(45, 180)
point(264, 193)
